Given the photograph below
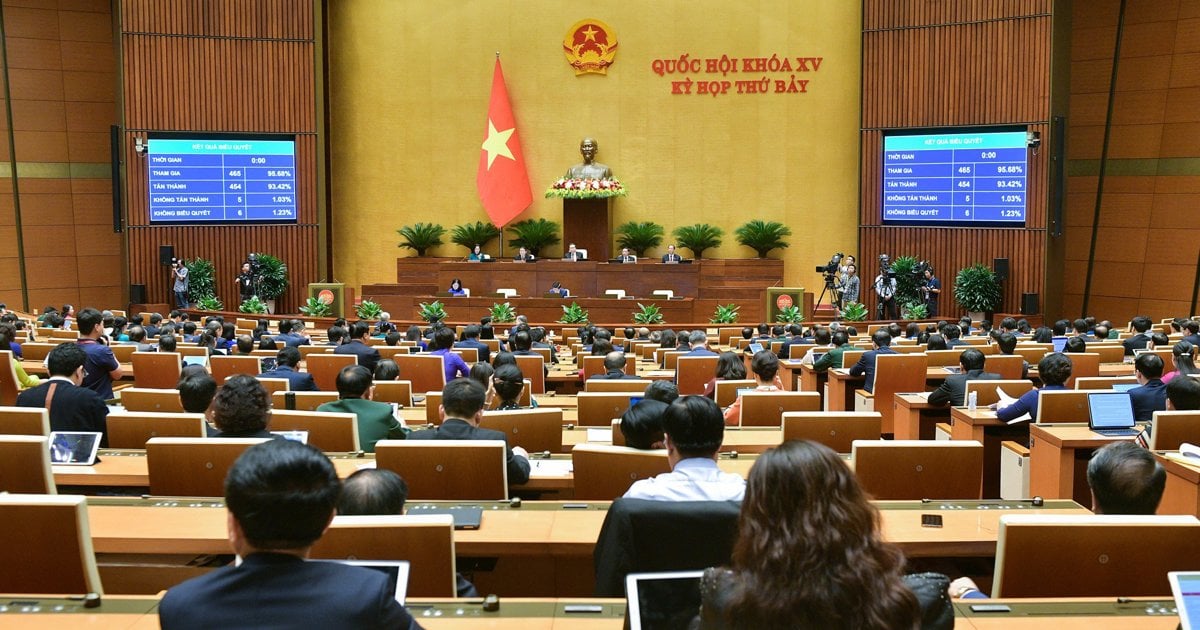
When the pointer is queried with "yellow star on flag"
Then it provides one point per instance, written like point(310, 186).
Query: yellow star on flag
point(496, 143)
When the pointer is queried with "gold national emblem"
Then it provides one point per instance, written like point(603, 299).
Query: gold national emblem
point(590, 46)
point(325, 296)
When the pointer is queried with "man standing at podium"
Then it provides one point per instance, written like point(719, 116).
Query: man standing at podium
point(589, 168)
point(671, 256)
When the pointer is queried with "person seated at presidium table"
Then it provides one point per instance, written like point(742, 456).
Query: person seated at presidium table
point(461, 412)
point(286, 361)
point(477, 254)
point(573, 254)
point(281, 496)
point(558, 289)
point(456, 288)
point(523, 255)
point(693, 432)
point(626, 257)
point(671, 256)
point(953, 390)
point(375, 419)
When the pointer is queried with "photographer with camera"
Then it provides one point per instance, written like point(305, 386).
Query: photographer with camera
point(885, 289)
point(932, 288)
point(833, 285)
point(179, 274)
point(850, 284)
point(246, 281)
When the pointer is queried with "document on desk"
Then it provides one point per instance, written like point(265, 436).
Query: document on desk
point(599, 434)
point(924, 395)
point(550, 467)
point(1006, 400)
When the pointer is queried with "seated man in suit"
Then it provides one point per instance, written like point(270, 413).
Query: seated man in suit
point(241, 409)
point(296, 335)
point(626, 257)
point(537, 337)
point(833, 357)
point(196, 392)
point(693, 432)
point(698, 343)
point(614, 367)
point(1007, 344)
point(523, 255)
point(461, 411)
point(1151, 393)
point(286, 360)
point(356, 344)
point(573, 254)
point(953, 390)
point(952, 333)
point(375, 419)
point(71, 406)
point(471, 340)
point(882, 340)
point(671, 256)
point(1191, 333)
point(281, 497)
point(1141, 326)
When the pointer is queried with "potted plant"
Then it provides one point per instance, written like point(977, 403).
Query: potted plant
point(914, 310)
point(253, 305)
point(648, 314)
point(471, 234)
point(573, 314)
point(368, 310)
point(273, 274)
point(725, 314)
point(698, 237)
point(763, 236)
point(908, 280)
point(534, 234)
point(210, 303)
point(977, 290)
point(854, 312)
point(421, 237)
point(503, 313)
point(640, 236)
point(790, 315)
point(201, 280)
point(432, 312)
point(314, 307)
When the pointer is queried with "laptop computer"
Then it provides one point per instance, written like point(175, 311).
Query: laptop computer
point(74, 448)
point(662, 601)
point(817, 356)
point(1124, 387)
point(1111, 413)
point(1059, 343)
point(465, 516)
point(396, 570)
point(294, 435)
point(755, 348)
point(1185, 586)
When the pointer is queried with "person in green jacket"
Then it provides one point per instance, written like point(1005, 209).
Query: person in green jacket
point(375, 419)
point(833, 358)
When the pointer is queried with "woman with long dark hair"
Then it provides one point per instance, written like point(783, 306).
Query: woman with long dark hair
point(730, 367)
point(1183, 354)
point(809, 553)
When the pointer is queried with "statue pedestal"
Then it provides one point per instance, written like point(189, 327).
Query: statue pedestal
point(588, 224)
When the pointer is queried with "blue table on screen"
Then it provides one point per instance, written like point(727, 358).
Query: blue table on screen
point(221, 180)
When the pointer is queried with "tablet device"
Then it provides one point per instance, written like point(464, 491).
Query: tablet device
point(1124, 387)
point(395, 570)
point(266, 364)
point(1185, 586)
point(201, 360)
point(295, 436)
point(74, 448)
point(666, 601)
point(465, 516)
point(756, 348)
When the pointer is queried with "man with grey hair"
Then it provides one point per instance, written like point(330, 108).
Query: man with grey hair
point(699, 345)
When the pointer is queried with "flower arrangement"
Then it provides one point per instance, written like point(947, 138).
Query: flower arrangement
point(570, 188)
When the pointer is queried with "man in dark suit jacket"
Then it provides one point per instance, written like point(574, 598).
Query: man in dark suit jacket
point(286, 361)
point(281, 495)
point(882, 340)
point(953, 334)
point(471, 340)
point(953, 390)
point(614, 367)
point(461, 412)
point(1191, 331)
point(1142, 325)
point(72, 407)
point(294, 335)
point(698, 342)
point(368, 357)
point(626, 257)
point(671, 256)
point(1151, 394)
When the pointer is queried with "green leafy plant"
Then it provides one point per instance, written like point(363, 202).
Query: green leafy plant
point(471, 234)
point(534, 234)
point(698, 237)
point(274, 277)
point(854, 312)
point(432, 312)
point(640, 236)
point(210, 303)
point(914, 310)
point(977, 290)
point(201, 280)
point(573, 314)
point(253, 305)
point(314, 307)
point(421, 237)
point(648, 314)
point(368, 310)
point(725, 314)
point(763, 236)
point(908, 281)
point(503, 313)
point(790, 315)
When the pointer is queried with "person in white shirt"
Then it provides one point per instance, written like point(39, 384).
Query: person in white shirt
point(694, 430)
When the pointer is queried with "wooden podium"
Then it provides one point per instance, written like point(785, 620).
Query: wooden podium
point(588, 224)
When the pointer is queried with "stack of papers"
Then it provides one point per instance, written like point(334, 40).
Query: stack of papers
point(1006, 400)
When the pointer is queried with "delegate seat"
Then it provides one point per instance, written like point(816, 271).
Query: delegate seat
point(192, 467)
point(331, 432)
point(224, 367)
point(894, 374)
point(156, 370)
point(535, 430)
point(1173, 428)
point(325, 367)
point(986, 391)
point(1062, 406)
point(425, 542)
point(448, 470)
point(836, 429)
point(132, 429)
point(693, 373)
point(55, 552)
point(766, 409)
point(533, 368)
point(604, 473)
point(399, 392)
point(597, 409)
point(604, 385)
point(147, 399)
point(25, 465)
point(919, 469)
point(727, 391)
point(424, 371)
point(24, 421)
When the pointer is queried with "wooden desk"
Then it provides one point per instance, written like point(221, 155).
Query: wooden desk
point(1182, 494)
point(1069, 614)
point(984, 427)
point(841, 389)
point(914, 418)
point(743, 440)
point(1058, 460)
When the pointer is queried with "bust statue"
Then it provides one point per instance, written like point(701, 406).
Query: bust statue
point(590, 168)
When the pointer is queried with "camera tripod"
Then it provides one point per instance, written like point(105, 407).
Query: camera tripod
point(835, 297)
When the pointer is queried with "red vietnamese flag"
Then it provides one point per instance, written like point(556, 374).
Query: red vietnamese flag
point(502, 181)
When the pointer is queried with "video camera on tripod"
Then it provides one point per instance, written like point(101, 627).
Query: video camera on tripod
point(831, 268)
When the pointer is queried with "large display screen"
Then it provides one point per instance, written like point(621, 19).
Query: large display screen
point(968, 178)
point(222, 179)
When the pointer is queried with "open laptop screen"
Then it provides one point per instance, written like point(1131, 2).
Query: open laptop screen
point(1059, 343)
point(663, 601)
point(1110, 410)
